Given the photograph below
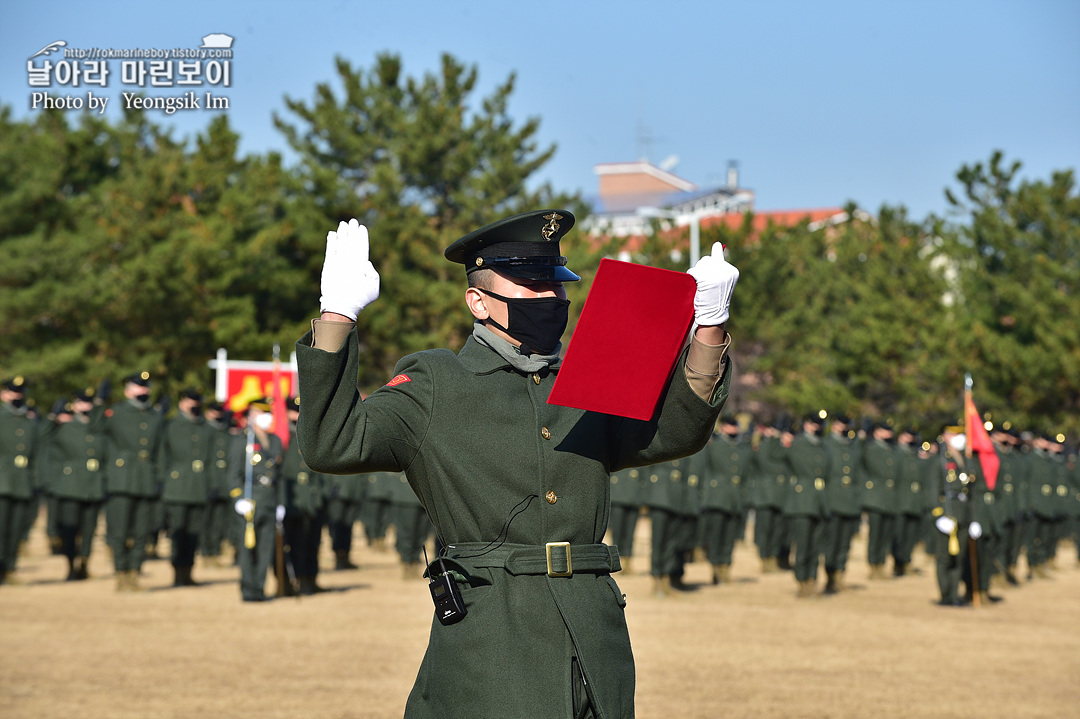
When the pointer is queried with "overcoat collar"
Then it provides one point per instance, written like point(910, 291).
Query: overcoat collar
point(480, 360)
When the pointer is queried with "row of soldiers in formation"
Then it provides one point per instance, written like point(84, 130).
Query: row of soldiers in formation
point(205, 477)
point(809, 489)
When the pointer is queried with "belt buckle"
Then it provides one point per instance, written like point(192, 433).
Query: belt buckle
point(569, 564)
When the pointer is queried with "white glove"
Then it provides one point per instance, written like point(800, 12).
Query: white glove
point(349, 280)
point(716, 278)
point(279, 513)
point(243, 506)
point(945, 525)
point(975, 530)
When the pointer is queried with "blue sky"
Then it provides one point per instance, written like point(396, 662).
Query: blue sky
point(819, 102)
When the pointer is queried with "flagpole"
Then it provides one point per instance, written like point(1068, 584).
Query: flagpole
point(969, 436)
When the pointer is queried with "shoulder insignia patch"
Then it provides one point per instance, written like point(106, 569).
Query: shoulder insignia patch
point(400, 379)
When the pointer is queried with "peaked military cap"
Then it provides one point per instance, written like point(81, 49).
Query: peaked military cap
point(525, 246)
point(86, 395)
point(140, 378)
point(15, 384)
point(292, 403)
point(266, 404)
point(191, 393)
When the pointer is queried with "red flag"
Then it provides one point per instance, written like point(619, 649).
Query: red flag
point(979, 441)
point(281, 418)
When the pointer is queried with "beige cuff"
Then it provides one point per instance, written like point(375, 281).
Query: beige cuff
point(704, 366)
point(328, 335)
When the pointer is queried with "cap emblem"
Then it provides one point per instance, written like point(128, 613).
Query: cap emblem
point(552, 226)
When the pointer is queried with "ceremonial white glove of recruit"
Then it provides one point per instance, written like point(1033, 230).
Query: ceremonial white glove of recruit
point(243, 506)
point(349, 280)
point(716, 278)
point(279, 513)
point(945, 525)
point(975, 530)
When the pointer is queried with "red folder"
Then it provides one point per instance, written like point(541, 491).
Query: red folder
point(630, 334)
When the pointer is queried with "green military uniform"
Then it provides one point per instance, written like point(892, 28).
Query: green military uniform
point(842, 489)
point(954, 503)
point(305, 515)
point(879, 470)
point(1048, 474)
point(346, 498)
point(626, 502)
point(806, 505)
point(133, 431)
point(770, 487)
point(519, 474)
point(220, 519)
point(18, 447)
point(909, 505)
point(671, 517)
point(187, 454)
point(76, 459)
point(267, 490)
point(411, 526)
point(723, 497)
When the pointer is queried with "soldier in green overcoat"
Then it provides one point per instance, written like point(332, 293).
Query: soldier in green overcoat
point(18, 448)
point(730, 461)
point(346, 498)
point(879, 470)
point(909, 501)
point(806, 505)
point(516, 488)
point(133, 431)
point(258, 489)
point(953, 518)
point(305, 508)
point(667, 495)
point(770, 488)
point(842, 486)
point(75, 453)
point(187, 453)
point(412, 528)
point(220, 520)
point(626, 502)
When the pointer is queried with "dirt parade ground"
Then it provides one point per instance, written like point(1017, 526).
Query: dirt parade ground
point(746, 649)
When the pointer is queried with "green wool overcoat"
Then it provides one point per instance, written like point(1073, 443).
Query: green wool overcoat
point(497, 467)
point(187, 454)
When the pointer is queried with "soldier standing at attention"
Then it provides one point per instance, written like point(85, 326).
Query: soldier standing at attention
point(345, 498)
point(769, 487)
point(806, 505)
point(954, 517)
point(666, 498)
point(626, 501)
point(411, 527)
point(75, 452)
point(517, 488)
point(18, 445)
point(258, 487)
point(909, 501)
point(722, 504)
point(842, 486)
point(133, 431)
point(305, 508)
point(187, 454)
point(219, 514)
point(878, 498)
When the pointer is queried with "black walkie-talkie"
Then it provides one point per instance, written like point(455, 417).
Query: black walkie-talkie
point(449, 607)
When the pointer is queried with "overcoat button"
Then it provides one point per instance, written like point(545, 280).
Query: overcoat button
point(551, 497)
point(545, 433)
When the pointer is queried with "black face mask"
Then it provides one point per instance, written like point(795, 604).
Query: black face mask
point(536, 322)
point(141, 398)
